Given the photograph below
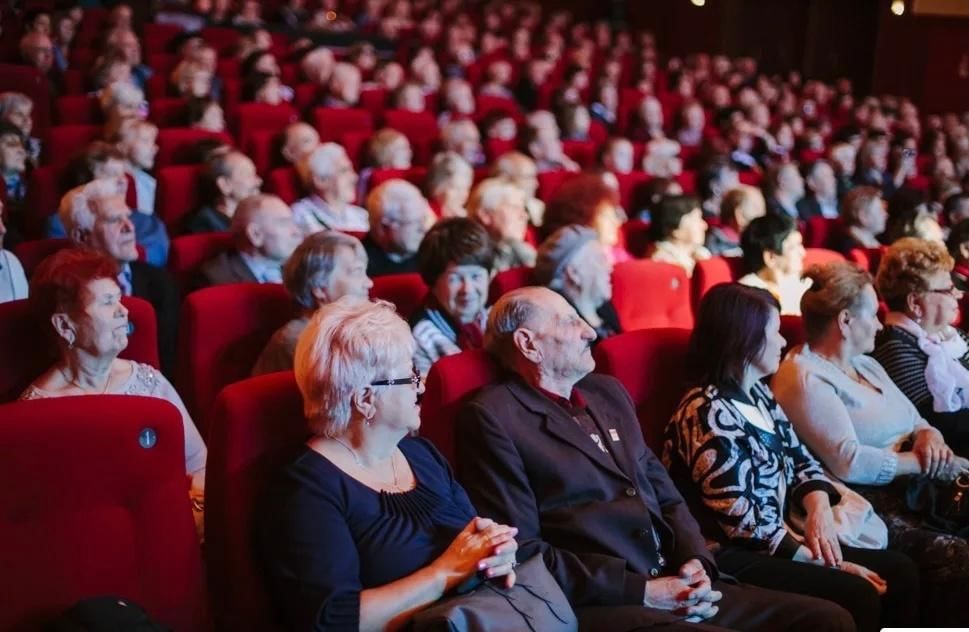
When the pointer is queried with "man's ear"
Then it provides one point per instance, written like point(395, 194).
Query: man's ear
point(222, 183)
point(254, 234)
point(320, 295)
point(572, 274)
point(80, 235)
point(524, 340)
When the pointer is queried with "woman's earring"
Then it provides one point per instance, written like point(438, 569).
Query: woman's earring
point(70, 342)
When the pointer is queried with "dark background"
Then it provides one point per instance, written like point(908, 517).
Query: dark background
point(914, 56)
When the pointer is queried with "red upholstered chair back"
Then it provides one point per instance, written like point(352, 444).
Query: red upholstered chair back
point(87, 511)
point(450, 383)
point(43, 198)
point(177, 194)
point(549, 182)
point(792, 328)
point(256, 426)
point(24, 354)
point(651, 294)
point(405, 291)
point(712, 272)
point(64, 141)
point(651, 365)
point(818, 230)
point(285, 182)
point(820, 256)
point(175, 144)
point(20, 78)
point(867, 258)
point(31, 253)
point(188, 252)
point(415, 175)
point(223, 330)
point(332, 123)
point(78, 109)
point(167, 113)
point(508, 280)
point(253, 117)
point(635, 237)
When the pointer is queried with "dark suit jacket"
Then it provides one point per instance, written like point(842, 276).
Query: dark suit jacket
point(525, 462)
point(207, 220)
point(226, 267)
point(157, 287)
point(808, 207)
point(379, 264)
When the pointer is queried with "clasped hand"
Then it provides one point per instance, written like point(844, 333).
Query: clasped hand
point(482, 546)
point(933, 454)
point(690, 593)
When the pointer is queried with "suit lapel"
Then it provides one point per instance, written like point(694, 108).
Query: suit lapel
point(560, 425)
point(240, 271)
point(139, 285)
point(611, 427)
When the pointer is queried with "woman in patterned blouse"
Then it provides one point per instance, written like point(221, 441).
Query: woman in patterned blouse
point(757, 490)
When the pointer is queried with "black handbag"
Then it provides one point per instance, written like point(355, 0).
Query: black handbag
point(943, 506)
point(535, 603)
point(105, 614)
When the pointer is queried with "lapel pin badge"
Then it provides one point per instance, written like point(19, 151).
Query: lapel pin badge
point(613, 434)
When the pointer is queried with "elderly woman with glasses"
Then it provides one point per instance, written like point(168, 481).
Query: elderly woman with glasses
point(866, 432)
point(926, 357)
point(367, 525)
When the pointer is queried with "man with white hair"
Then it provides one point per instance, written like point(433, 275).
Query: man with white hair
point(463, 138)
point(344, 87)
point(328, 175)
point(399, 218)
point(136, 141)
point(264, 236)
point(96, 216)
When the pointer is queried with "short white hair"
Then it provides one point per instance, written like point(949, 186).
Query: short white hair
point(321, 162)
point(120, 92)
point(347, 344)
point(454, 132)
point(10, 101)
point(446, 166)
point(78, 207)
point(315, 61)
point(391, 197)
point(490, 194)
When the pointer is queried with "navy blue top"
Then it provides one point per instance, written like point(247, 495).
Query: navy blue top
point(325, 536)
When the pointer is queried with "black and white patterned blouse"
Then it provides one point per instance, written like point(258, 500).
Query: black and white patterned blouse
point(741, 479)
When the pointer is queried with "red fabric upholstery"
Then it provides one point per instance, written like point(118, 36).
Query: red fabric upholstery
point(43, 198)
point(176, 144)
point(550, 181)
point(222, 38)
point(405, 291)
point(24, 354)
point(260, 149)
point(495, 148)
point(820, 256)
point(87, 511)
point(414, 175)
point(19, 78)
point(650, 364)
point(332, 123)
point(305, 94)
point(792, 328)
point(420, 128)
point(487, 103)
point(635, 237)
point(817, 231)
point(64, 141)
point(714, 271)
point(629, 184)
point(157, 36)
point(223, 329)
point(188, 252)
point(450, 383)
point(31, 253)
point(285, 182)
point(78, 109)
point(650, 294)
point(867, 258)
point(257, 425)
point(374, 100)
point(177, 194)
point(253, 117)
point(752, 178)
point(508, 280)
point(581, 151)
point(355, 144)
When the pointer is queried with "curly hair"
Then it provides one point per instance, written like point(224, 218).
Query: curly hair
point(577, 201)
point(905, 268)
point(835, 287)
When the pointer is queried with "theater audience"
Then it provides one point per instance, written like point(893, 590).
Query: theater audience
point(866, 432)
point(205, 114)
point(909, 216)
point(228, 178)
point(328, 175)
point(366, 526)
point(77, 292)
point(455, 260)
point(786, 188)
point(13, 282)
point(399, 219)
point(958, 246)
point(137, 143)
point(463, 138)
point(573, 263)
point(543, 145)
point(557, 450)
point(449, 180)
point(738, 208)
point(587, 200)
point(17, 109)
point(773, 256)
point(499, 206)
point(13, 163)
point(743, 468)
point(264, 235)
point(924, 354)
point(298, 141)
point(863, 220)
point(661, 158)
point(617, 155)
point(678, 233)
point(95, 215)
point(325, 267)
point(821, 199)
point(389, 149)
point(520, 170)
point(343, 89)
point(37, 51)
point(713, 181)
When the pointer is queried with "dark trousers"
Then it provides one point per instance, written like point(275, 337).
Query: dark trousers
point(745, 608)
point(898, 607)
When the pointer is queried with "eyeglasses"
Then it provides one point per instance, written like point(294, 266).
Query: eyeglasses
point(949, 291)
point(414, 379)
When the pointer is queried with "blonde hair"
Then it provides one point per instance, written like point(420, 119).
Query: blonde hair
point(905, 267)
point(347, 344)
point(835, 287)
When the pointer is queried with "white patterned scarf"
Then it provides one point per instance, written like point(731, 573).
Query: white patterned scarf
point(945, 376)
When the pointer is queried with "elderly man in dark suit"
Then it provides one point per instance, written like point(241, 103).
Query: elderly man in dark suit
point(557, 452)
point(265, 235)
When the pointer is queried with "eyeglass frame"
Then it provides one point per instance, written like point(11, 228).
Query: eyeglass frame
point(414, 379)
point(948, 291)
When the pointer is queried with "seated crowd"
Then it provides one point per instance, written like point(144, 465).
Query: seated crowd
point(780, 495)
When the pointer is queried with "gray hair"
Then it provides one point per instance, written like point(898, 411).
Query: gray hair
point(321, 162)
point(312, 263)
point(120, 92)
point(10, 101)
point(510, 313)
point(445, 166)
point(490, 194)
point(391, 197)
point(79, 206)
point(347, 344)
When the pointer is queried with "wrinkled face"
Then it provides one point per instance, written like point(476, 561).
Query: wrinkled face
point(301, 140)
point(692, 230)
point(349, 276)
point(242, 180)
point(562, 338)
point(22, 117)
point(13, 156)
point(509, 220)
point(341, 184)
point(101, 327)
point(939, 305)
point(863, 323)
point(769, 358)
point(113, 232)
point(278, 234)
point(462, 290)
point(142, 148)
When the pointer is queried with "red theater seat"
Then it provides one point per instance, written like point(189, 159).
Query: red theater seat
point(87, 511)
point(818, 230)
point(487, 103)
point(78, 109)
point(188, 252)
point(31, 253)
point(223, 330)
point(550, 181)
point(253, 117)
point(650, 294)
point(177, 194)
point(651, 365)
point(285, 182)
point(260, 148)
point(450, 383)
point(257, 426)
point(414, 175)
point(406, 291)
point(333, 123)
point(867, 258)
point(64, 141)
point(581, 151)
point(25, 354)
point(712, 272)
point(635, 237)
point(20, 78)
point(43, 198)
point(792, 328)
point(820, 257)
point(176, 145)
point(167, 112)
point(420, 128)
point(508, 280)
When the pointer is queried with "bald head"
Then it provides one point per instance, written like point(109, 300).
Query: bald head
point(264, 225)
